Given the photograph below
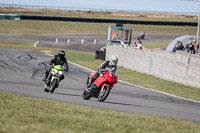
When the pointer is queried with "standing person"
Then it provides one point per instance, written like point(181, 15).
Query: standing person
point(58, 59)
point(190, 47)
point(114, 35)
point(111, 63)
point(196, 46)
point(142, 35)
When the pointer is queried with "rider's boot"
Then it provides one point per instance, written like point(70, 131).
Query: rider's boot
point(45, 77)
point(89, 83)
point(48, 79)
point(45, 86)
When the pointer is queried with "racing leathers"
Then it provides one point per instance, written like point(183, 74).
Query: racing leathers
point(57, 60)
point(101, 70)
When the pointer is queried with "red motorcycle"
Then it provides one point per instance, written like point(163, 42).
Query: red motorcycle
point(101, 87)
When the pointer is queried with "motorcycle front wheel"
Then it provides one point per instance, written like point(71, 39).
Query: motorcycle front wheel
point(53, 85)
point(86, 95)
point(103, 93)
point(46, 90)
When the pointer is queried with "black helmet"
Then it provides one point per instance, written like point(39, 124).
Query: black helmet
point(61, 53)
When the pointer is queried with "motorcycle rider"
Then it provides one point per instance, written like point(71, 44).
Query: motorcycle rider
point(111, 63)
point(58, 59)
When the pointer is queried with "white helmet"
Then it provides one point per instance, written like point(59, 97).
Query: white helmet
point(113, 60)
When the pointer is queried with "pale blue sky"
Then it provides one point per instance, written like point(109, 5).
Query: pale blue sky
point(135, 5)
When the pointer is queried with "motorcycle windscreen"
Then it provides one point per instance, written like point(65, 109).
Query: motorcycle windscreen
point(92, 75)
point(59, 67)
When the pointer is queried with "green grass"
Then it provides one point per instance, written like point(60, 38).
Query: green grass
point(87, 59)
point(30, 27)
point(21, 114)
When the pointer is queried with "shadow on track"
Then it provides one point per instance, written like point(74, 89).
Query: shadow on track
point(134, 105)
point(65, 94)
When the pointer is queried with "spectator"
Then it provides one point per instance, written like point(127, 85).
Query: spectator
point(179, 46)
point(174, 50)
point(138, 44)
point(142, 35)
point(114, 35)
point(190, 47)
point(196, 46)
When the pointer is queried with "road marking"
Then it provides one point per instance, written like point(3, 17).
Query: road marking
point(136, 85)
point(36, 43)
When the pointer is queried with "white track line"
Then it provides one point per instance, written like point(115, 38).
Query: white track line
point(36, 43)
point(136, 85)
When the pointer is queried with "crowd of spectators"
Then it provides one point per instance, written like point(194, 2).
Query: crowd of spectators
point(191, 47)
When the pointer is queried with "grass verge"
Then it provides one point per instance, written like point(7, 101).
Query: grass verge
point(87, 59)
point(21, 114)
point(30, 27)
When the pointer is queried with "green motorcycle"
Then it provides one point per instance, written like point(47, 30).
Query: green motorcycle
point(54, 78)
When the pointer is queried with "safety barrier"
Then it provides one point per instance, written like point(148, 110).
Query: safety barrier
point(99, 20)
point(10, 16)
point(100, 54)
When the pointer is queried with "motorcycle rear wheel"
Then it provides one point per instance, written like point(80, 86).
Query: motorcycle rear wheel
point(53, 85)
point(86, 95)
point(103, 93)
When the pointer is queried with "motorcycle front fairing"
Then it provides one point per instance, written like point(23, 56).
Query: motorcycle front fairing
point(98, 82)
point(56, 70)
point(110, 77)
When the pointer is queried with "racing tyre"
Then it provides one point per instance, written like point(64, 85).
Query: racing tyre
point(53, 85)
point(86, 95)
point(46, 90)
point(103, 93)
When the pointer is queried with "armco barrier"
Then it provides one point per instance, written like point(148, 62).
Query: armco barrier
point(99, 20)
point(179, 67)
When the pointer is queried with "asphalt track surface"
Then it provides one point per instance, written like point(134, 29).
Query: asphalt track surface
point(75, 40)
point(21, 72)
